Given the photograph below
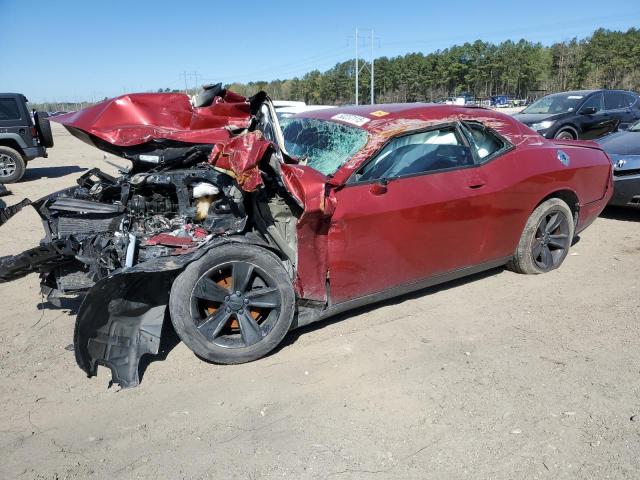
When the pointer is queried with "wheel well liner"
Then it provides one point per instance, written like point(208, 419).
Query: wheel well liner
point(122, 315)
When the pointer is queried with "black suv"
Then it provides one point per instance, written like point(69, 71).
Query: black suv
point(581, 114)
point(22, 138)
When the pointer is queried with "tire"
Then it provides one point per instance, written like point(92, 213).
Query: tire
point(12, 165)
point(540, 236)
point(565, 135)
point(44, 129)
point(220, 326)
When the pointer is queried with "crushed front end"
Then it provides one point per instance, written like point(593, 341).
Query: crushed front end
point(121, 241)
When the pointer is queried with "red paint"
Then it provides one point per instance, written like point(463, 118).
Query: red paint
point(240, 157)
point(169, 240)
point(383, 236)
point(137, 118)
point(365, 238)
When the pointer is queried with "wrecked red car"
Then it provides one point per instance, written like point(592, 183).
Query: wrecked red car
point(238, 228)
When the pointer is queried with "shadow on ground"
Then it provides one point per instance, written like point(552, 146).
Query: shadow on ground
point(50, 172)
point(621, 213)
point(70, 304)
point(293, 336)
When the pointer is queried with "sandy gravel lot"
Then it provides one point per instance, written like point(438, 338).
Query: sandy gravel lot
point(499, 376)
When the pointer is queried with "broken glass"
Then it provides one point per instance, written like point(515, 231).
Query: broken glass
point(322, 144)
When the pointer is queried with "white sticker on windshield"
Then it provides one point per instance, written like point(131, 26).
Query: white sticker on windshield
point(350, 118)
point(575, 97)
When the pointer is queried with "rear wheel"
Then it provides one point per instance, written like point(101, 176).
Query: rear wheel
point(546, 238)
point(12, 165)
point(234, 305)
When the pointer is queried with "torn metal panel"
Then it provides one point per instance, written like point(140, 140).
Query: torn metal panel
point(138, 118)
point(7, 212)
point(240, 157)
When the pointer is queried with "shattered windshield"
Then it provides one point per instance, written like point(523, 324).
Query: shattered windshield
point(325, 145)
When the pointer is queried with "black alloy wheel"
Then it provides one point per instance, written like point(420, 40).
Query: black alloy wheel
point(551, 240)
point(545, 240)
point(235, 304)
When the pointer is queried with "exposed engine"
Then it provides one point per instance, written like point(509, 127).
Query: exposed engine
point(202, 176)
point(174, 199)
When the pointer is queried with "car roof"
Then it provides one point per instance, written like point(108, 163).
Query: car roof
point(576, 92)
point(376, 116)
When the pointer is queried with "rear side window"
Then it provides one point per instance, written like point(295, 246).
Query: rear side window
point(630, 99)
point(431, 151)
point(486, 143)
point(615, 100)
point(9, 109)
point(594, 101)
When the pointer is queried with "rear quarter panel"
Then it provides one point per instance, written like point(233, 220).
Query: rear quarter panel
point(520, 180)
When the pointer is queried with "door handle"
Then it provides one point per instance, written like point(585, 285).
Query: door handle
point(475, 184)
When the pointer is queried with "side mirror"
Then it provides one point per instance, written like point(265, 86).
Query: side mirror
point(588, 111)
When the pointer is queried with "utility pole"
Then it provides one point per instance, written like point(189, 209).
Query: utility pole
point(372, 76)
point(196, 75)
point(357, 67)
point(186, 89)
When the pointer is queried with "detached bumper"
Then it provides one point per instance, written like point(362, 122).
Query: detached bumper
point(626, 190)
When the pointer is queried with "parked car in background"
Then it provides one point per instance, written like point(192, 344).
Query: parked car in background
point(22, 138)
point(245, 233)
point(581, 114)
point(623, 149)
point(286, 108)
point(461, 99)
point(500, 101)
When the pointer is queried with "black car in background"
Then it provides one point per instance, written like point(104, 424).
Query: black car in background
point(22, 137)
point(623, 149)
point(581, 114)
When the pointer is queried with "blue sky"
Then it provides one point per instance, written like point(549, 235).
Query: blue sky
point(77, 50)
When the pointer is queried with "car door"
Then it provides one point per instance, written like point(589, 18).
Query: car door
point(594, 120)
point(618, 106)
point(412, 212)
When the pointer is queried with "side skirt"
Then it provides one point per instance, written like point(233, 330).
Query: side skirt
point(308, 315)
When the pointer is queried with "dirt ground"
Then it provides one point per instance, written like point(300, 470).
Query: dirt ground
point(498, 376)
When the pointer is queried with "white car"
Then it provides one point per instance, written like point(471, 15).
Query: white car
point(286, 108)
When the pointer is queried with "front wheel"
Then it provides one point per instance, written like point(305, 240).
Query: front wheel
point(565, 135)
point(546, 238)
point(233, 305)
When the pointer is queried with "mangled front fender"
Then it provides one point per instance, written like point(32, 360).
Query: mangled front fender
point(121, 317)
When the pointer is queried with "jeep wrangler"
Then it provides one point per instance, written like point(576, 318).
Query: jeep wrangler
point(22, 138)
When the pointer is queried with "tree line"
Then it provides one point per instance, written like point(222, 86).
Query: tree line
point(606, 59)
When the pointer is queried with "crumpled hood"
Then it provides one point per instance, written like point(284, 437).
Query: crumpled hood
point(138, 118)
point(158, 126)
